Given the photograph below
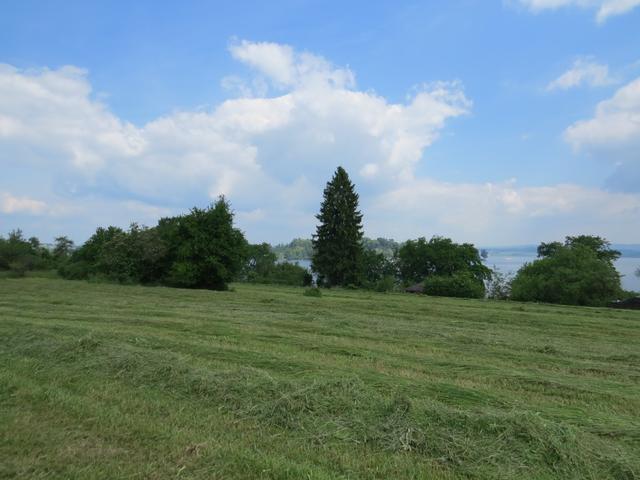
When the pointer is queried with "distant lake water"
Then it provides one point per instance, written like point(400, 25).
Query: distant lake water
point(511, 262)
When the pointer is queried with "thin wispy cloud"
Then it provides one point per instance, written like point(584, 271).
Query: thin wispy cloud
point(604, 9)
point(10, 204)
point(583, 72)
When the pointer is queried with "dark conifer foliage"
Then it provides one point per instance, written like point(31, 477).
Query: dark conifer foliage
point(337, 244)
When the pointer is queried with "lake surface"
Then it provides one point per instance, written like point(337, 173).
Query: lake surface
point(511, 261)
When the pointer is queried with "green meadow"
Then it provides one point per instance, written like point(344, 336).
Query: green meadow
point(262, 382)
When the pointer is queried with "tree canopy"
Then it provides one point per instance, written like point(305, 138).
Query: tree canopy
point(419, 259)
point(578, 272)
point(204, 249)
point(598, 245)
point(201, 249)
point(261, 266)
point(19, 255)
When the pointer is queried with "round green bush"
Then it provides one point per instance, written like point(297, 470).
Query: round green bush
point(463, 285)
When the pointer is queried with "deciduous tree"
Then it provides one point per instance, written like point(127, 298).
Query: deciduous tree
point(580, 272)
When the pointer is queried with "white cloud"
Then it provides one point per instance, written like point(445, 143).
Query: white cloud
point(77, 165)
point(604, 8)
point(583, 72)
point(287, 68)
point(52, 119)
point(274, 60)
point(253, 148)
point(611, 8)
point(10, 204)
point(476, 212)
point(616, 122)
point(237, 86)
point(613, 134)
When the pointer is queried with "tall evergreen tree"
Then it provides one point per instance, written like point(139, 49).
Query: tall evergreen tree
point(337, 244)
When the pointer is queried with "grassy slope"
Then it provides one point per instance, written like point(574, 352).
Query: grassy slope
point(104, 381)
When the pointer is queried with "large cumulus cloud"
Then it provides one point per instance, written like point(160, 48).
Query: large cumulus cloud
point(69, 163)
point(613, 135)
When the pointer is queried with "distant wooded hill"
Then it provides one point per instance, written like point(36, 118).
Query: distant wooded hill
point(301, 248)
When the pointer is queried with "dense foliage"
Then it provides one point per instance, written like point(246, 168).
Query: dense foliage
point(446, 268)
point(260, 260)
point(377, 271)
point(19, 255)
point(418, 259)
point(201, 249)
point(204, 249)
point(261, 266)
point(578, 272)
point(461, 284)
point(337, 244)
point(134, 256)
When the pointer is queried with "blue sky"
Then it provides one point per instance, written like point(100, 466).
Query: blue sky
point(496, 122)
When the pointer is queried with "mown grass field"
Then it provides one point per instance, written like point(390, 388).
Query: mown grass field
point(106, 381)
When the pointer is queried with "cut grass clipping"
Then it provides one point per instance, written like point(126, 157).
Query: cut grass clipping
point(104, 381)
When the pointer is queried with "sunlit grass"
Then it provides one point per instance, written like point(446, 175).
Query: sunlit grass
point(105, 381)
